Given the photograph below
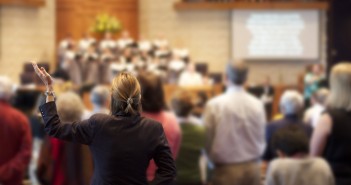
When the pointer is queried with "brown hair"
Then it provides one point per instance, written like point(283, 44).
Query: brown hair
point(153, 100)
point(126, 95)
point(182, 103)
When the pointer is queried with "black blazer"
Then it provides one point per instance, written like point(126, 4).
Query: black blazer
point(121, 146)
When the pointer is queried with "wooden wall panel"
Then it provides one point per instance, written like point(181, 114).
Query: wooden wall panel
point(77, 16)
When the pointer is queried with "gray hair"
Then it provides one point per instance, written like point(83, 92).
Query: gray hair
point(6, 88)
point(237, 72)
point(70, 107)
point(321, 95)
point(291, 102)
point(100, 95)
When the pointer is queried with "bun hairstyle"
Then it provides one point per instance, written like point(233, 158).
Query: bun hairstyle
point(125, 96)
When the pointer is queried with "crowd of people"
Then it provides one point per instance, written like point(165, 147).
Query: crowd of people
point(133, 136)
point(89, 61)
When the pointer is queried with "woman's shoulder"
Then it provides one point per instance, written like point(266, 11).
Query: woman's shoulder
point(100, 117)
point(150, 124)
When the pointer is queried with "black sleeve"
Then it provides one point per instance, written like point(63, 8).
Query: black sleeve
point(268, 155)
point(166, 171)
point(79, 132)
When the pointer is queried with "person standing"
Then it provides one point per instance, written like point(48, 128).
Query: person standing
point(312, 81)
point(235, 125)
point(193, 140)
point(291, 105)
point(123, 143)
point(154, 105)
point(294, 166)
point(331, 137)
point(15, 139)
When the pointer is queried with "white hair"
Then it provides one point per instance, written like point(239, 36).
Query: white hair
point(70, 107)
point(321, 95)
point(99, 95)
point(6, 88)
point(291, 102)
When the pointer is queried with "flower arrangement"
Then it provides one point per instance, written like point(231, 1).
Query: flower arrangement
point(106, 23)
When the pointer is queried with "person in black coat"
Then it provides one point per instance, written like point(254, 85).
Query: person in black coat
point(123, 143)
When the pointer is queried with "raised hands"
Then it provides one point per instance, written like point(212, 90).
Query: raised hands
point(44, 76)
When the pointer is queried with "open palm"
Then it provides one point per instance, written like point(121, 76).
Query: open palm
point(44, 76)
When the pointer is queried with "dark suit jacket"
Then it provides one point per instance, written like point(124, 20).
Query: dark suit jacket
point(121, 146)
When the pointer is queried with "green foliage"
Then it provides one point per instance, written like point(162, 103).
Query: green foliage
point(106, 23)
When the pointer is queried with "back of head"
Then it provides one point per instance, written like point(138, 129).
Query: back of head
point(126, 95)
point(291, 102)
point(340, 87)
point(152, 92)
point(237, 73)
point(182, 103)
point(291, 140)
point(70, 107)
point(321, 95)
point(99, 95)
point(6, 88)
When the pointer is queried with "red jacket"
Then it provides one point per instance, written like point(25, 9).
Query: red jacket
point(15, 145)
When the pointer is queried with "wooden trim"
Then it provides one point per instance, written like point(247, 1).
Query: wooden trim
point(29, 3)
point(250, 5)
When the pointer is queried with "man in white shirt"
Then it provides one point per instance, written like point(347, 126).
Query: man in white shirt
point(190, 77)
point(313, 114)
point(294, 166)
point(235, 126)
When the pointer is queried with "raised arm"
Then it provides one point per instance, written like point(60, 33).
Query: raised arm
point(166, 171)
point(79, 132)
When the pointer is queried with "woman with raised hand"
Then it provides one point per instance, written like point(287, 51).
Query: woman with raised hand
point(123, 143)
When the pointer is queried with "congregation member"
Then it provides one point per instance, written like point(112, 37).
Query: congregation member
point(331, 137)
point(107, 42)
point(154, 106)
point(123, 143)
point(294, 166)
point(267, 96)
point(86, 41)
point(176, 64)
point(144, 44)
point(91, 66)
point(235, 125)
point(193, 140)
point(106, 59)
point(72, 65)
point(312, 80)
point(67, 41)
point(27, 100)
point(125, 40)
point(100, 100)
point(190, 77)
point(318, 102)
point(61, 162)
point(15, 138)
point(291, 105)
